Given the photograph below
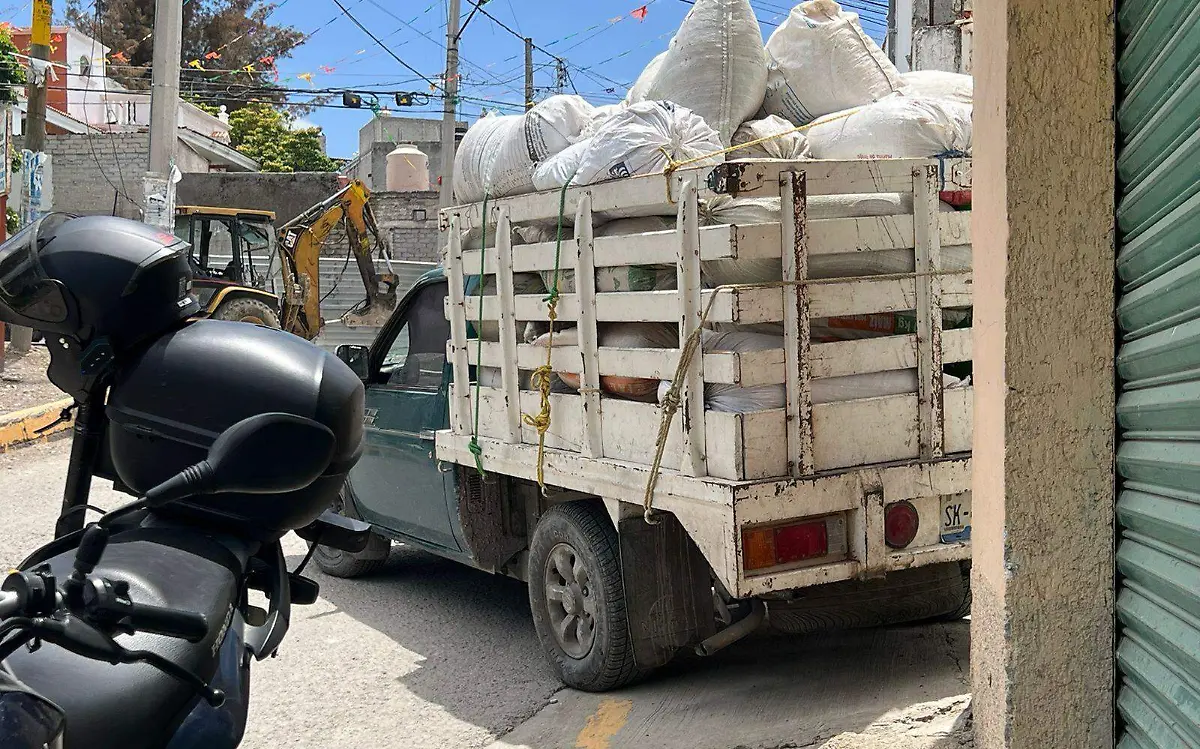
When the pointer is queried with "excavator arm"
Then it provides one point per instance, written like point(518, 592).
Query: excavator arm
point(300, 252)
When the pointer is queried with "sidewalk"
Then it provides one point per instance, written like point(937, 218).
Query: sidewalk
point(28, 401)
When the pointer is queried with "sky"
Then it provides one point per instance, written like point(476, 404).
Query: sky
point(604, 48)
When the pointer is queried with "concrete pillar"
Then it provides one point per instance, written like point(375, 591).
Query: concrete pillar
point(1042, 623)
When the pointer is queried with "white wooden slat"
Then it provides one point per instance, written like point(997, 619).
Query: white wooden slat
point(960, 414)
point(928, 240)
point(867, 296)
point(691, 311)
point(793, 249)
point(456, 313)
point(651, 248)
point(866, 355)
point(508, 331)
point(746, 306)
point(829, 236)
point(585, 286)
point(860, 432)
point(760, 178)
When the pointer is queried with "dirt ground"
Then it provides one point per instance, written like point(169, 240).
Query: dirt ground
point(23, 382)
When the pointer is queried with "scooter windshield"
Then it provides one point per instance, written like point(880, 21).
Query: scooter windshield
point(27, 721)
point(26, 294)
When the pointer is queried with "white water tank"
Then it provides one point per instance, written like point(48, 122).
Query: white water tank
point(407, 169)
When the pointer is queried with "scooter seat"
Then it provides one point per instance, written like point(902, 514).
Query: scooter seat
point(131, 706)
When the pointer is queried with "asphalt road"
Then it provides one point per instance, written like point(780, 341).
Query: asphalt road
point(430, 654)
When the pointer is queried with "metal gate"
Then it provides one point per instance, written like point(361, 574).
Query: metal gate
point(1158, 363)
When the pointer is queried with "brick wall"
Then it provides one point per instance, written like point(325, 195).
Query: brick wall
point(408, 221)
point(91, 173)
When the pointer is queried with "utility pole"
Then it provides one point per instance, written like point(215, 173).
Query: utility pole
point(35, 130)
point(450, 107)
point(560, 75)
point(158, 189)
point(528, 74)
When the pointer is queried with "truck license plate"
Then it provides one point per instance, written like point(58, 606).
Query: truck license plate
point(956, 519)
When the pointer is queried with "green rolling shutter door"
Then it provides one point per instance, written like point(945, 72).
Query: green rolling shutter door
point(1158, 363)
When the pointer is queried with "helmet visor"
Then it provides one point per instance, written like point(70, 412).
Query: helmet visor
point(25, 290)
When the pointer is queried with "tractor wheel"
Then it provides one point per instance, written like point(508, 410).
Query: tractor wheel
point(246, 309)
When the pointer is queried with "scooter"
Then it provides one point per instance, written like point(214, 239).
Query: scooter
point(163, 597)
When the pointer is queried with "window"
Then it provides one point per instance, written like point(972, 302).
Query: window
point(417, 356)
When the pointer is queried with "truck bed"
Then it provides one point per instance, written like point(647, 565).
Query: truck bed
point(724, 472)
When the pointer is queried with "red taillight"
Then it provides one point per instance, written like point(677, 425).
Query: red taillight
point(784, 544)
point(900, 524)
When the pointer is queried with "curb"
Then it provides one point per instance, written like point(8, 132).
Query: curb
point(20, 427)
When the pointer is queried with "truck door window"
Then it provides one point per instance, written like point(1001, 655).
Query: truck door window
point(417, 356)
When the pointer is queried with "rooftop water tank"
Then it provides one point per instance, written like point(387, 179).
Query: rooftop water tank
point(407, 169)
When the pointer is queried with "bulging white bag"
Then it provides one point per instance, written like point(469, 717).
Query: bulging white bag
point(637, 92)
point(897, 127)
point(558, 170)
point(643, 139)
point(478, 150)
point(715, 65)
point(551, 126)
point(821, 61)
point(939, 84)
point(784, 143)
point(620, 335)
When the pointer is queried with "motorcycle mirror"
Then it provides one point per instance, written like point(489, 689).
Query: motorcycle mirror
point(270, 453)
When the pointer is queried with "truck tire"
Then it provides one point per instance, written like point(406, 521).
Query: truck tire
point(338, 563)
point(246, 309)
point(964, 608)
point(937, 592)
point(578, 600)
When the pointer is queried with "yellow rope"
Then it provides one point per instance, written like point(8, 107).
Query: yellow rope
point(542, 375)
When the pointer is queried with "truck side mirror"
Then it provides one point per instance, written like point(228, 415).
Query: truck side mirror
point(357, 358)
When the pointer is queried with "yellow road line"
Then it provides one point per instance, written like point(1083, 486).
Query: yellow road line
point(609, 718)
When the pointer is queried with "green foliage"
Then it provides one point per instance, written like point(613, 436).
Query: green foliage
point(11, 72)
point(12, 220)
point(262, 132)
point(239, 31)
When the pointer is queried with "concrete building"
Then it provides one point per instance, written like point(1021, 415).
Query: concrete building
point(382, 134)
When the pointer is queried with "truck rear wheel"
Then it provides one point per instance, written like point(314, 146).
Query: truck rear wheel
point(246, 309)
point(577, 598)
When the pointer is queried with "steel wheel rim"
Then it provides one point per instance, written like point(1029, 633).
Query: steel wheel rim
point(570, 601)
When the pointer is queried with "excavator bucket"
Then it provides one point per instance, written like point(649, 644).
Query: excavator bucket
point(374, 311)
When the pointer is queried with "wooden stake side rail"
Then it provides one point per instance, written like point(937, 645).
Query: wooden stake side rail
point(798, 440)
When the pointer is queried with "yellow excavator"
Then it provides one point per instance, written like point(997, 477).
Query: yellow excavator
point(237, 291)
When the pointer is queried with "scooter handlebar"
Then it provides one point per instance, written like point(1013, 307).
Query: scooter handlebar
point(186, 625)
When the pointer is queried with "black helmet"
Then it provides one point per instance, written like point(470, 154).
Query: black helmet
point(95, 278)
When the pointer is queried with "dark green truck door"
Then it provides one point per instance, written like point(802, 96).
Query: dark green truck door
point(397, 484)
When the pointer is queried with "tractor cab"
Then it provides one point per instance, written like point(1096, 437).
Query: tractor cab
point(231, 248)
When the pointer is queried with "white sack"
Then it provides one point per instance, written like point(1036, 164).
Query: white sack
point(897, 127)
point(715, 65)
point(747, 211)
point(478, 150)
point(633, 141)
point(736, 399)
point(601, 115)
point(821, 61)
point(939, 84)
point(637, 92)
point(624, 278)
point(550, 127)
point(788, 144)
point(558, 170)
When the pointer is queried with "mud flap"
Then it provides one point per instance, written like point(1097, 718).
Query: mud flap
point(668, 589)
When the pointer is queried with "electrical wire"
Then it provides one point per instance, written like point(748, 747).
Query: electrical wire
point(383, 46)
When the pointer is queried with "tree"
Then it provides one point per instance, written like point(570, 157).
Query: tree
point(11, 72)
point(239, 31)
point(263, 133)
